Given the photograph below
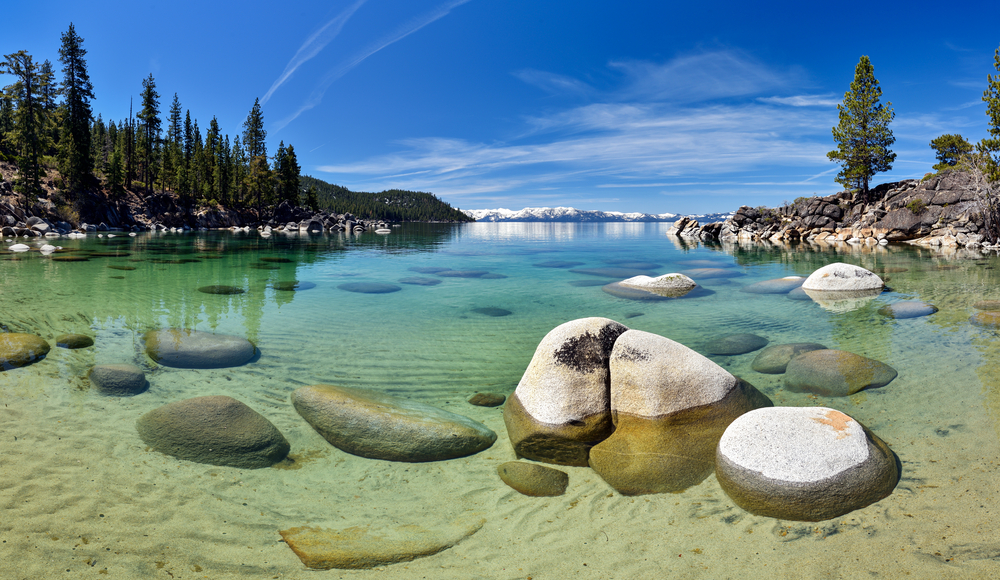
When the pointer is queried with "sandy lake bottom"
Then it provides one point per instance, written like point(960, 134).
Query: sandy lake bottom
point(82, 496)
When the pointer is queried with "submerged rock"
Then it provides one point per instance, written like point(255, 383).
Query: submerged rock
point(777, 286)
point(369, 287)
point(735, 344)
point(192, 349)
point(558, 264)
point(492, 311)
point(419, 281)
point(73, 341)
point(292, 286)
point(561, 406)
point(119, 380)
point(533, 479)
point(18, 349)
point(670, 406)
point(360, 547)
point(379, 426)
point(804, 464)
point(709, 273)
point(216, 430)
point(220, 289)
point(487, 399)
point(836, 373)
point(774, 359)
point(907, 309)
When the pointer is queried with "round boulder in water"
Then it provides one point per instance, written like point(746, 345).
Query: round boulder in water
point(74, 341)
point(803, 463)
point(533, 479)
point(220, 289)
point(277, 260)
point(419, 281)
point(987, 305)
point(842, 277)
point(669, 285)
point(907, 309)
point(774, 359)
point(492, 311)
point(709, 273)
point(558, 264)
point(379, 426)
point(734, 344)
point(836, 373)
point(192, 349)
point(121, 380)
point(216, 430)
point(487, 399)
point(799, 294)
point(18, 349)
point(777, 286)
point(370, 287)
point(987, 318)
point(462, 273)
point(562, 406)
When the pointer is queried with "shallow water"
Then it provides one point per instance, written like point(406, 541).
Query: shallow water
point(81, 493)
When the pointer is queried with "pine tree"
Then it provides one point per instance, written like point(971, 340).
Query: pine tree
point(949, 149)
point(311, 198)
point(238, 173)
point(98, 134)
point(287, 174)
point(254, 136)
point(150, 123)
point(29, 118)
point(77, 91)
point(863, 136)
point(989, 148)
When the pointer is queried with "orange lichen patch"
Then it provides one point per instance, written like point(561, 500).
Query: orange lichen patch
point(837, 420)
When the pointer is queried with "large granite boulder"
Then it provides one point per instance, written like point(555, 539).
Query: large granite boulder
point(216, 430)
point(193, 349)
point(836, 373)
point(774, 359)
point(670, 406)
point(842, 277)
point(907, 309)
point(380, 426)
point(561, 407)
point(118, 380)
point(74, 341)
point(533, 479)
point(670, 285)
point(803, 463)
point(18, 349)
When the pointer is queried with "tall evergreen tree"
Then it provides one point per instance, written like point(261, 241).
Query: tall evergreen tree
point(863, 136)
point(29, 118)
point(149, 117)
point(6, 121)
point(989, 148)
point(77, 92)
point(949, 149)
point(172, 158)
point(98, 135)
point(254, 137)
point(238, 173)
point(287, 174)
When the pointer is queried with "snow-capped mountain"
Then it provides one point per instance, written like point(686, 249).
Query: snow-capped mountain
point(570, 214)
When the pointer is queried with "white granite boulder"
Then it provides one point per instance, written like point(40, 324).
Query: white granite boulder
point(561, 406)
point(803, 463)
point(836, 373)
point(670, 405)
point(671, 285)
point(379, 426)
point(776, 286)
point(842, 277)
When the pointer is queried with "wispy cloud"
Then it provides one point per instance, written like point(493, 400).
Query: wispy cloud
point(553, 83)
point(312, 46)
point(827, 100)
point(343, 67)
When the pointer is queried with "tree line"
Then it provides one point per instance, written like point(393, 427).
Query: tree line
point(140, 153)
point(391, 205)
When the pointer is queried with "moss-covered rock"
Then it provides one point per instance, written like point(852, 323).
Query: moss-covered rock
point(18, 349)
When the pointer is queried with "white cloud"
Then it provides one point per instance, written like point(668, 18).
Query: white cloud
point(827, 100)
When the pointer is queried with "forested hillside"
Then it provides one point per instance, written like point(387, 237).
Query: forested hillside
point(391, 205)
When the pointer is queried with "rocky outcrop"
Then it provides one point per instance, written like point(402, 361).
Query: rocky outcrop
point(939, 211)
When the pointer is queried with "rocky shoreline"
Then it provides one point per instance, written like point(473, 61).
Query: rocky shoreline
point(941, 211)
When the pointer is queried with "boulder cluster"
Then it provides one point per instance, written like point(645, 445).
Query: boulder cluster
point(940, 211)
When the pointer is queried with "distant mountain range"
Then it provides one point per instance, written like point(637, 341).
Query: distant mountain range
point(570, 214)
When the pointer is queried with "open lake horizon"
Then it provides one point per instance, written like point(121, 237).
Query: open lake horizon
point(435, 313)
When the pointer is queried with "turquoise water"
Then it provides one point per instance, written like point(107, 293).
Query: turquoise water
point(68, 455)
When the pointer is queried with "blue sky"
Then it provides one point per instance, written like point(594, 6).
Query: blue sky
point(654, 106)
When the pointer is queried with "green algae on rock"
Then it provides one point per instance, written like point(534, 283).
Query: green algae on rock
point(19, 349)
point(533, 479)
